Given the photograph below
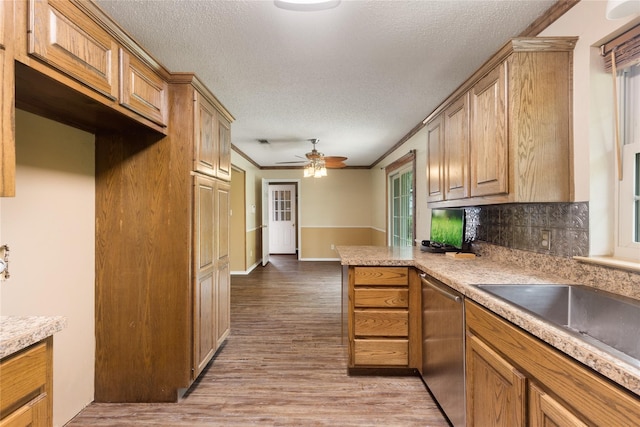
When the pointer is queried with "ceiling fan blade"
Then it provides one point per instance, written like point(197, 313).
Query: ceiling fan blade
point(296, 161)
point(334, 158)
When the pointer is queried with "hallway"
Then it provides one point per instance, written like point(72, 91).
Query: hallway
point(283, 365)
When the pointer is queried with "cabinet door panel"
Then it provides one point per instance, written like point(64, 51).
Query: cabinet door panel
point(224, 149)
point(456, 164)
point(23, 375)
point(63, 37)
point(435, 160)
point(488, 135)
point(222, 217)
point(204, 288)
point(544, 411)
point(142, 90)
point(495, 389)
point(223, 296)
point(206, 137)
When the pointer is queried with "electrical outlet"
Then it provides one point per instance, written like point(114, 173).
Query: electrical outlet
point(545, 239)
point(333, 247)
point(4, 262)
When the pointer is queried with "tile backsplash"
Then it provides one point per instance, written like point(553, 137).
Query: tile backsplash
point(520, 226)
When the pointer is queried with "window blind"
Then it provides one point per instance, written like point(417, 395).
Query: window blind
point(625, 49)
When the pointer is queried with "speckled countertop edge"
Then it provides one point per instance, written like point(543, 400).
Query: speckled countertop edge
point(463, 274)
point(19, 332)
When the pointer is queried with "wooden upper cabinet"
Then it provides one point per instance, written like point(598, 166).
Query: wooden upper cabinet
point(7, 101)
point(519, 129)
point(212, 154)
point(65, 38)
point(206, 136)
point(142, 90)
point(435, 160)
point(456, 149)
point(3, 15)
point(540, 126)
point(489, 149)
point(224, 148)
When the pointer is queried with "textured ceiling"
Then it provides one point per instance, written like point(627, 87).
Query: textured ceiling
point(359, 77)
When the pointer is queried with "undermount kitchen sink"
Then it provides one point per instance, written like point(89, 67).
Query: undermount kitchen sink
point(607, 321)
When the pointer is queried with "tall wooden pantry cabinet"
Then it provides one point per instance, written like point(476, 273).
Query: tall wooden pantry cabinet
point(162, 274)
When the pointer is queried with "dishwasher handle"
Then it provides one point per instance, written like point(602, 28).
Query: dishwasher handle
point(444, 292)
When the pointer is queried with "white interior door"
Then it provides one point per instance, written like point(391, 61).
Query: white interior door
point(265, 222)
point(282, 218)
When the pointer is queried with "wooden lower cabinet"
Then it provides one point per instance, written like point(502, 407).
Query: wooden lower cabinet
point(495, 389)
point(383, 321)
point(26, 384)
point(514, 379)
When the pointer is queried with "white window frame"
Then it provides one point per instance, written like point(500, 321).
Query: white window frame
point(629, 107)
point(406, 211)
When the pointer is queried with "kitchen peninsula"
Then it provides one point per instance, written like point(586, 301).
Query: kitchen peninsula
point(618, 394)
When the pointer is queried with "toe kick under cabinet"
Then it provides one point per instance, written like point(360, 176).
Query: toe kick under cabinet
point(383, 328)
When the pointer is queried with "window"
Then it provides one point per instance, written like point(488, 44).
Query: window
point(400, 190)
point(628, 239)
point(402, 208)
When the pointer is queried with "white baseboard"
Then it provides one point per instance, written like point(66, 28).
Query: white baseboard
point(244, 273)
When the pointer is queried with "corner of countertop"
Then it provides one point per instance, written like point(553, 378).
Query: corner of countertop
point(19, 332)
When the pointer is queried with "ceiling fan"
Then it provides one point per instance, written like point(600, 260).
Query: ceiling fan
point(316, 157)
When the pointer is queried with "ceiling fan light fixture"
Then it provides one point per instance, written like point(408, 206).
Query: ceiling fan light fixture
point(306, 5)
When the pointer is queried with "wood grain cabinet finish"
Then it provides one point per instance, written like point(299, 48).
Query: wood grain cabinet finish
point(224, 148)
point(489, 148)
point(456, 149)
point(141, 89)
point(383, 318)
point(65, 38)
point(222, 262)
point(515, 379)
point(204, 293)
point(27, 384)
point(213, 139)
point(519, 129)
point(7, 91)
point(162, 274)
point(435, 159)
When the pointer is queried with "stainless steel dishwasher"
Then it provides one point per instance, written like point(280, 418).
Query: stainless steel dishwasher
point(443, 350)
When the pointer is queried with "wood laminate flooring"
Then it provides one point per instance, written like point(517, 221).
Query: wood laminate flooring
point(284, 364)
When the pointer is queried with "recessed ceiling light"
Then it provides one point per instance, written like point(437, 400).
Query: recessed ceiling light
point(306, 5)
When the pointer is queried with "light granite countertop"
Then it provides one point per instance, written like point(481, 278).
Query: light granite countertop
point(19, 332)
point(463, 274)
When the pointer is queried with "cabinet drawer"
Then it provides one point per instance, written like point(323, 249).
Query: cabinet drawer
point(394, 298)
point(64, 37)
point(384, 276)
point(142, 90)
point(23, 378)
point(381, 323)
point(381, 352)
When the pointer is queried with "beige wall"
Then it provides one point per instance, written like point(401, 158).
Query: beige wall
point(50, 229)
point(237, 227)
point(340, 201)
point(251, 235)
point(379, 181)
point(594, 166)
